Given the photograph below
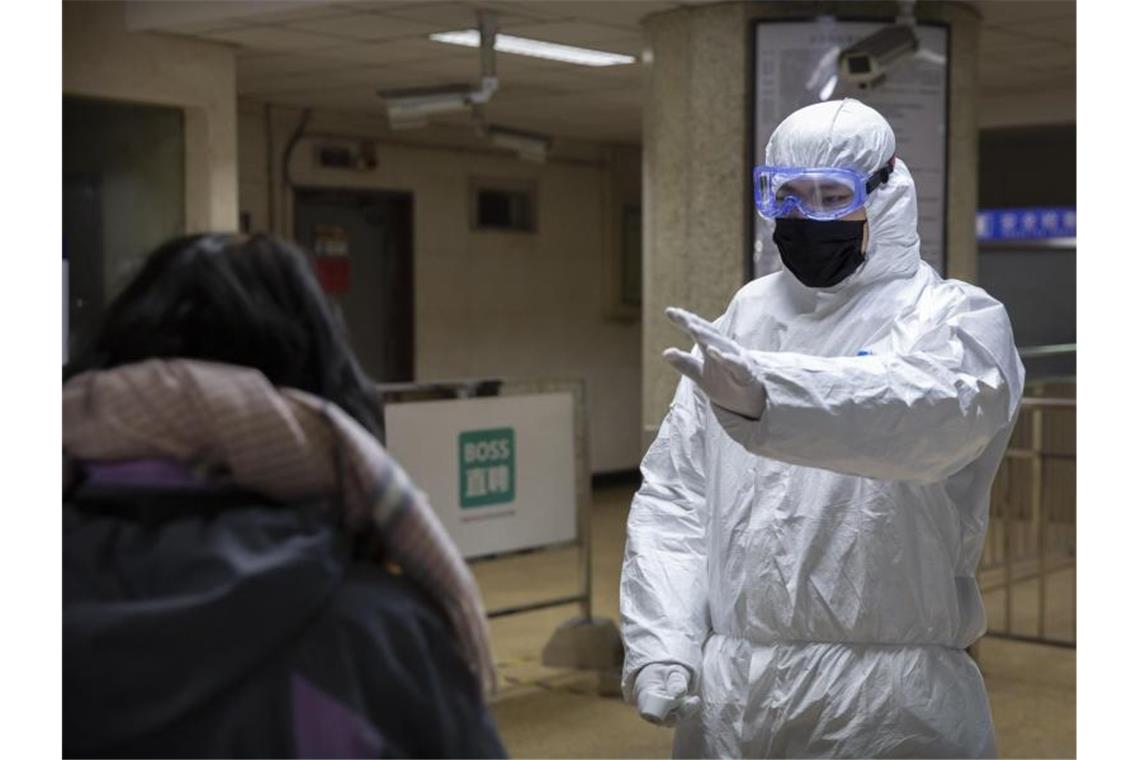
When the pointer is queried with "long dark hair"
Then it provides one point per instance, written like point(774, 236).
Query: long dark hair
point(250, 301)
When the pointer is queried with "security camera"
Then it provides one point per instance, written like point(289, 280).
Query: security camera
point(866, 62)
point(411, 107)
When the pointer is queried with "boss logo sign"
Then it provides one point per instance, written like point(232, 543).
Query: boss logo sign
point(486, 467)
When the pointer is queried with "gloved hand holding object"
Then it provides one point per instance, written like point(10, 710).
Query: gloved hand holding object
point(725, 373)
point(662, 693)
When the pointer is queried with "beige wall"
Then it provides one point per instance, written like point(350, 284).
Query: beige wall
point(101, 59)
point(1028, 108)
point(489, 304)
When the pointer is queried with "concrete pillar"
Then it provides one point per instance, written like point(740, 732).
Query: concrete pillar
point(696, 172)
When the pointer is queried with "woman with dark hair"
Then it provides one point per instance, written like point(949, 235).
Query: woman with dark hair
point(251, 302)
point(246, 571)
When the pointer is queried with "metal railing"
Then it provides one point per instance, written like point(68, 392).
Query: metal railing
point(1032, 534)
point(1057, 349)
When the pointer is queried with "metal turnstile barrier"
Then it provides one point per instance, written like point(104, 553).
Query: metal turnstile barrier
point(1028, 569)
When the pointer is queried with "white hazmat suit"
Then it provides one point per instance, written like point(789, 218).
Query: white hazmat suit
point(814, 570)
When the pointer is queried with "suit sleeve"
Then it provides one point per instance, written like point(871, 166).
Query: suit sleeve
point(664, 581)
point(919, 414)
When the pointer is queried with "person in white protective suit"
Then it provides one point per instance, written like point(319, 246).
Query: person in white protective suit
point(799, 568)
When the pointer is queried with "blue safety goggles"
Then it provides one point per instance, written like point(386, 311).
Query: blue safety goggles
point(822, 193)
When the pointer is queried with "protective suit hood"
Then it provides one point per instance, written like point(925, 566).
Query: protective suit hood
point(847, 133)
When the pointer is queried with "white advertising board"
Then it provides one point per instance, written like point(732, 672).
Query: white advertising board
point(794, 61)
point(500, 471)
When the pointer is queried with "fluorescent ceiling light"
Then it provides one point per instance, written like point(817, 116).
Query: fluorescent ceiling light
point(529, 145)
point(505, 43)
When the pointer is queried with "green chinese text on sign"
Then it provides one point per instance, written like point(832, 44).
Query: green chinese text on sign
point(486, 467)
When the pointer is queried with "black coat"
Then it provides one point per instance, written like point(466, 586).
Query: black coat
point(214, 625)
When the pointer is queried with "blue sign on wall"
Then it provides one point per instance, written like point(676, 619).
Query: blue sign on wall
point(1027, 223)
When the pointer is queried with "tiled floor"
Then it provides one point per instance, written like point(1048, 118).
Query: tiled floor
point(547, 712)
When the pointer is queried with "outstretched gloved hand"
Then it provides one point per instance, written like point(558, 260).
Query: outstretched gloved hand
point(723, 370)
point(662, 693)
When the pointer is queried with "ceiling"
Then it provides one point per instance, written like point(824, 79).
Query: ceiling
point(336, 54)
point(1027, 45)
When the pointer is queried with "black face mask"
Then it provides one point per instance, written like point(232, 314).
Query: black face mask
point(820, 254)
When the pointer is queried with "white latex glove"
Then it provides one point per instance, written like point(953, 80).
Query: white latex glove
point(725, 373)
point(662, 693)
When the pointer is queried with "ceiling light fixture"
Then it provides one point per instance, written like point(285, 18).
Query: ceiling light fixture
point(505, 43)
point(530, 146)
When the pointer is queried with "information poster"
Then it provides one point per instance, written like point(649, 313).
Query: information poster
point(499, 472)
point(795, 67)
